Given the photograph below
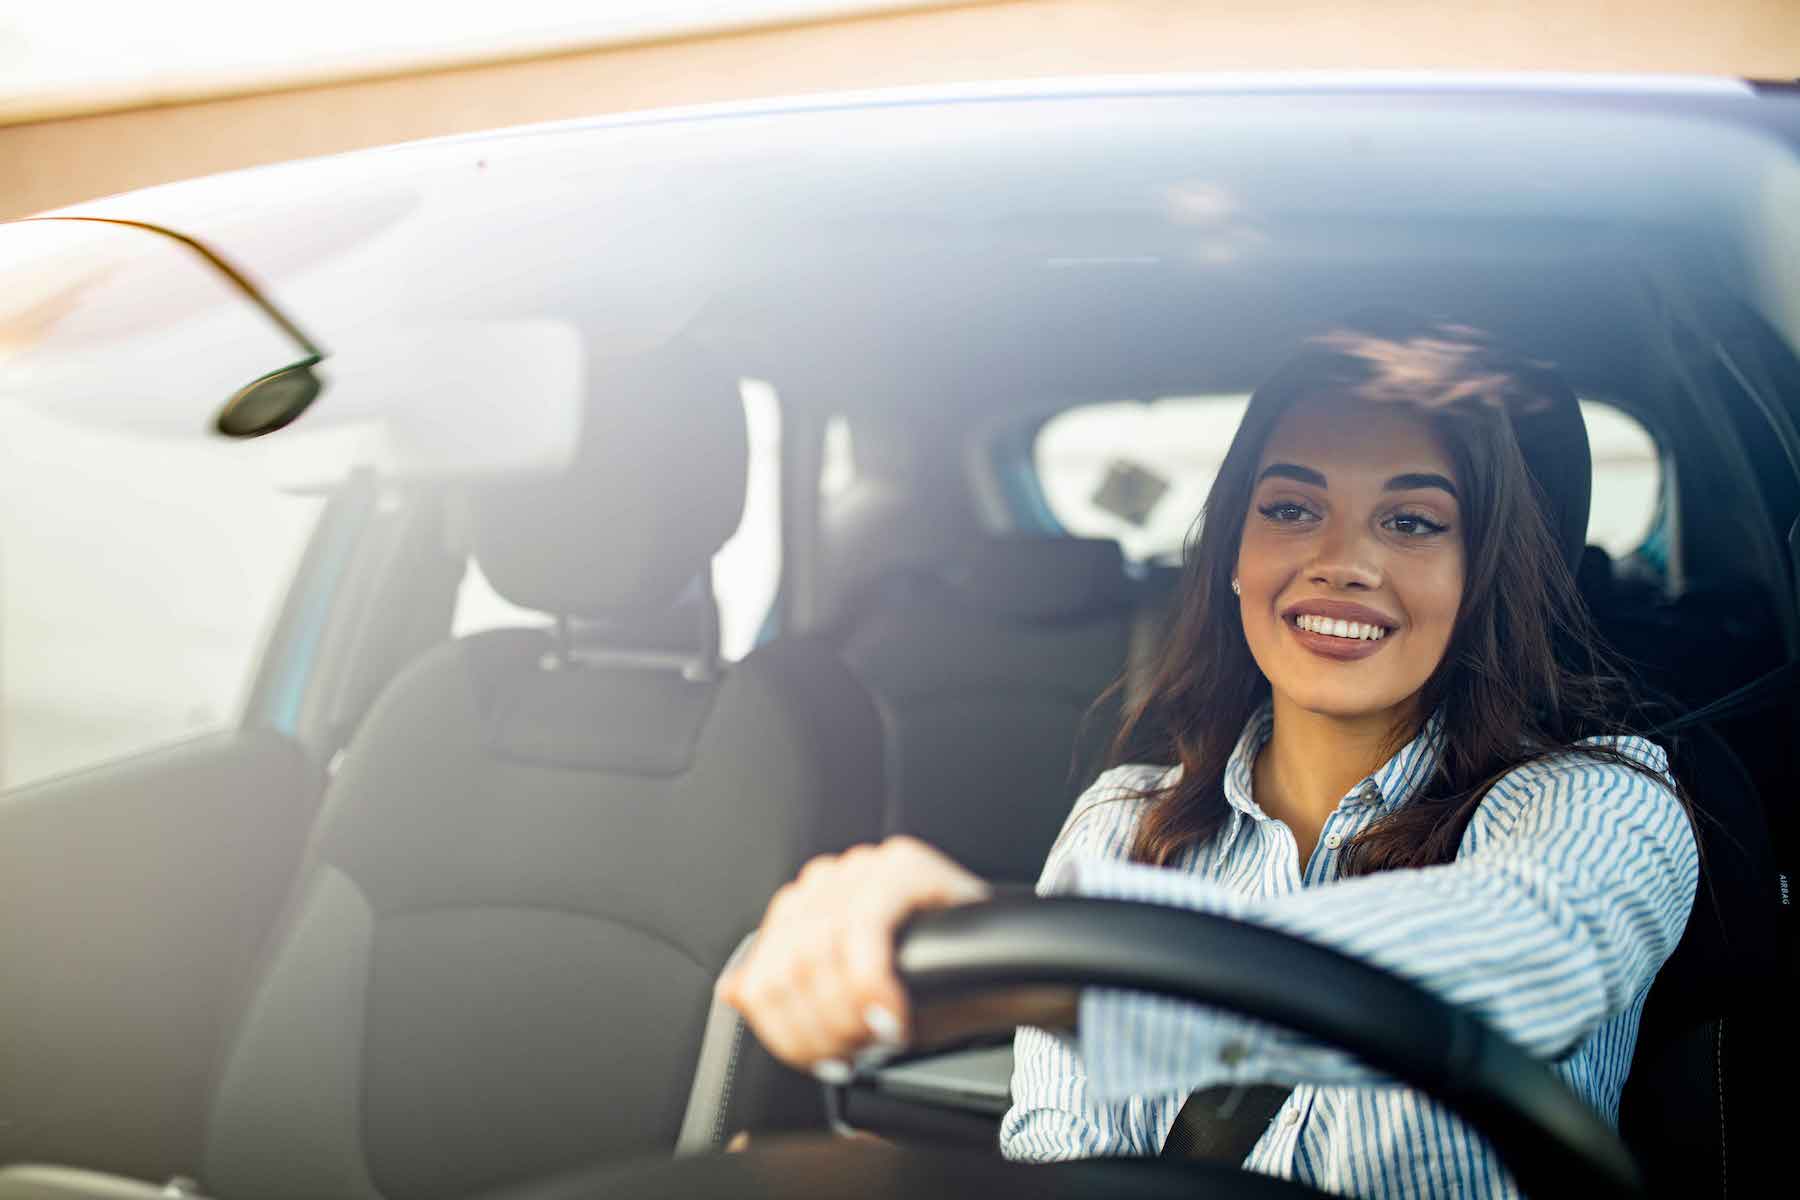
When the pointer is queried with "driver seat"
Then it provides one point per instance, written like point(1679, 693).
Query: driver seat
point(1704, 1096)
point(1708, 1037)
point(541, 848)
point(1698, 1109)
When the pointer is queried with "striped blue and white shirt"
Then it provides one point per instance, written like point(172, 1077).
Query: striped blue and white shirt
point(1570, 888)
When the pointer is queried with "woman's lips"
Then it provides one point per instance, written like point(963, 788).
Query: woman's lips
point(1327, 646)
point(1338, 610)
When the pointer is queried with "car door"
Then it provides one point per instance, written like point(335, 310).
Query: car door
point(164, 596)
point(133, 897)
point(138, 882)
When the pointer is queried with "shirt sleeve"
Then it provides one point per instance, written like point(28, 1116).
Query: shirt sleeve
point(1571, 888)
point(1054, 1117)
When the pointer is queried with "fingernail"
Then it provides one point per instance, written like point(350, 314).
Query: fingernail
point(833, 1071)
point(875, 1056)
point(883, 1024)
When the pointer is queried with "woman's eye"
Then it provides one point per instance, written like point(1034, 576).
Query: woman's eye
point(1413, 525)
point(1284, 511)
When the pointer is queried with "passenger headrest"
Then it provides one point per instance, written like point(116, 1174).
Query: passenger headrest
point(656, 486)
point(1040, 578)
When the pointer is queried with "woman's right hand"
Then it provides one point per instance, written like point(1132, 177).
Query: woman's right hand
point(818, 985)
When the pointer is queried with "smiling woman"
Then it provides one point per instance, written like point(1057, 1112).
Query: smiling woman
point(1380, 668)
point(1382, 481)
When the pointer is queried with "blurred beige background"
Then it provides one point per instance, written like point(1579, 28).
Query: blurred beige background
point(59, 154)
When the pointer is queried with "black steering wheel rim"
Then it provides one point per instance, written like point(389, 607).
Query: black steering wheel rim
point(1550, 1140)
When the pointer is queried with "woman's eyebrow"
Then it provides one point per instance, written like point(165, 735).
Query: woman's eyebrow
point(1401, 483)
point(1292, 471)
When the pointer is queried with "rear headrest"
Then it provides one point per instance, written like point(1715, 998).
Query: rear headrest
point(1041, 579)
point(655, 488)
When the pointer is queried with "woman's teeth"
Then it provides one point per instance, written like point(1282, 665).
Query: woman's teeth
point(1355, 630)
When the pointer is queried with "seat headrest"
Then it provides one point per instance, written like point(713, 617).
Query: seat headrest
point(1554, 443)
point(1040, 578)
point(1399, 351)
point(655, 487)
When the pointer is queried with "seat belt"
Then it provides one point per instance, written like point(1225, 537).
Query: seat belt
point(1223, 1124)
point(1763, 692)
point(709, 1098)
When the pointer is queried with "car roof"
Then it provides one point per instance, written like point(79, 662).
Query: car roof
point(1672, 86)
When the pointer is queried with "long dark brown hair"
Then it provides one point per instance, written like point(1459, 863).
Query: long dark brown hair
point(1525, 674)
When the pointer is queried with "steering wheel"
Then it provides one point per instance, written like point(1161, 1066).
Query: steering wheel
point(1547, 1137)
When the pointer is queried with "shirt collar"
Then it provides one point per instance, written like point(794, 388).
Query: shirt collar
point(1392, 784)
point(1243, 756)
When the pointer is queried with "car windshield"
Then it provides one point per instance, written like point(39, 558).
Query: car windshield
point(934, 387)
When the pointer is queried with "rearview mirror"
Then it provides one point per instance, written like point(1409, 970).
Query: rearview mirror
point(271, 401)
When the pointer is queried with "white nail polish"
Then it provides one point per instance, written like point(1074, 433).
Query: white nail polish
point(875, 1056)
point(883, 1024)
point(832, 1071)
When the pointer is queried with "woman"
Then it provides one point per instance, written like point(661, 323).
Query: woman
point(1393, 738)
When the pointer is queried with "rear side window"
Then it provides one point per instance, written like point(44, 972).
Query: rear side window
point(1136, 473)
point(1140, 473)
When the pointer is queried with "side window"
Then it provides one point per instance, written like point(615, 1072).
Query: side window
point(1628, 479)
point(1139, 473)
point(746, 570)
point(1136, 473)
point(139, 575)
point(747, 567)
point(837, 468)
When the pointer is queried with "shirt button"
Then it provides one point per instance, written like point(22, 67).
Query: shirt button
point(1291, 1116)
point(1233, 1052)
point(1334, 840)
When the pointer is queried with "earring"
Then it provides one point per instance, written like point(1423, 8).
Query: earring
point(1235, 589)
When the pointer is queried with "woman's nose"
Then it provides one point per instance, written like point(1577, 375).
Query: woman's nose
point(1346, 560)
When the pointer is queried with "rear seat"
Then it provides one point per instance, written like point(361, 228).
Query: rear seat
point(984, 669)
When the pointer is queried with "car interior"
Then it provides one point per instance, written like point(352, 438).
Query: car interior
point(457, 936)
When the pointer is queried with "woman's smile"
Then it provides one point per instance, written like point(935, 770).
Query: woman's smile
point(1323, 638)
point(1339, 629)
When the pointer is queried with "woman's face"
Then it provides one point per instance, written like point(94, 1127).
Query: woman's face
point(1351, 565)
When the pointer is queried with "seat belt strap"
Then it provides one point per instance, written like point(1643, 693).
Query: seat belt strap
point(709, 1098)
point(1760, 693)
point(1223, 1124)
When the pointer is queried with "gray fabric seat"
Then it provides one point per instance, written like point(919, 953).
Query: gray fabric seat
point(540, 849)
point(984, 670)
